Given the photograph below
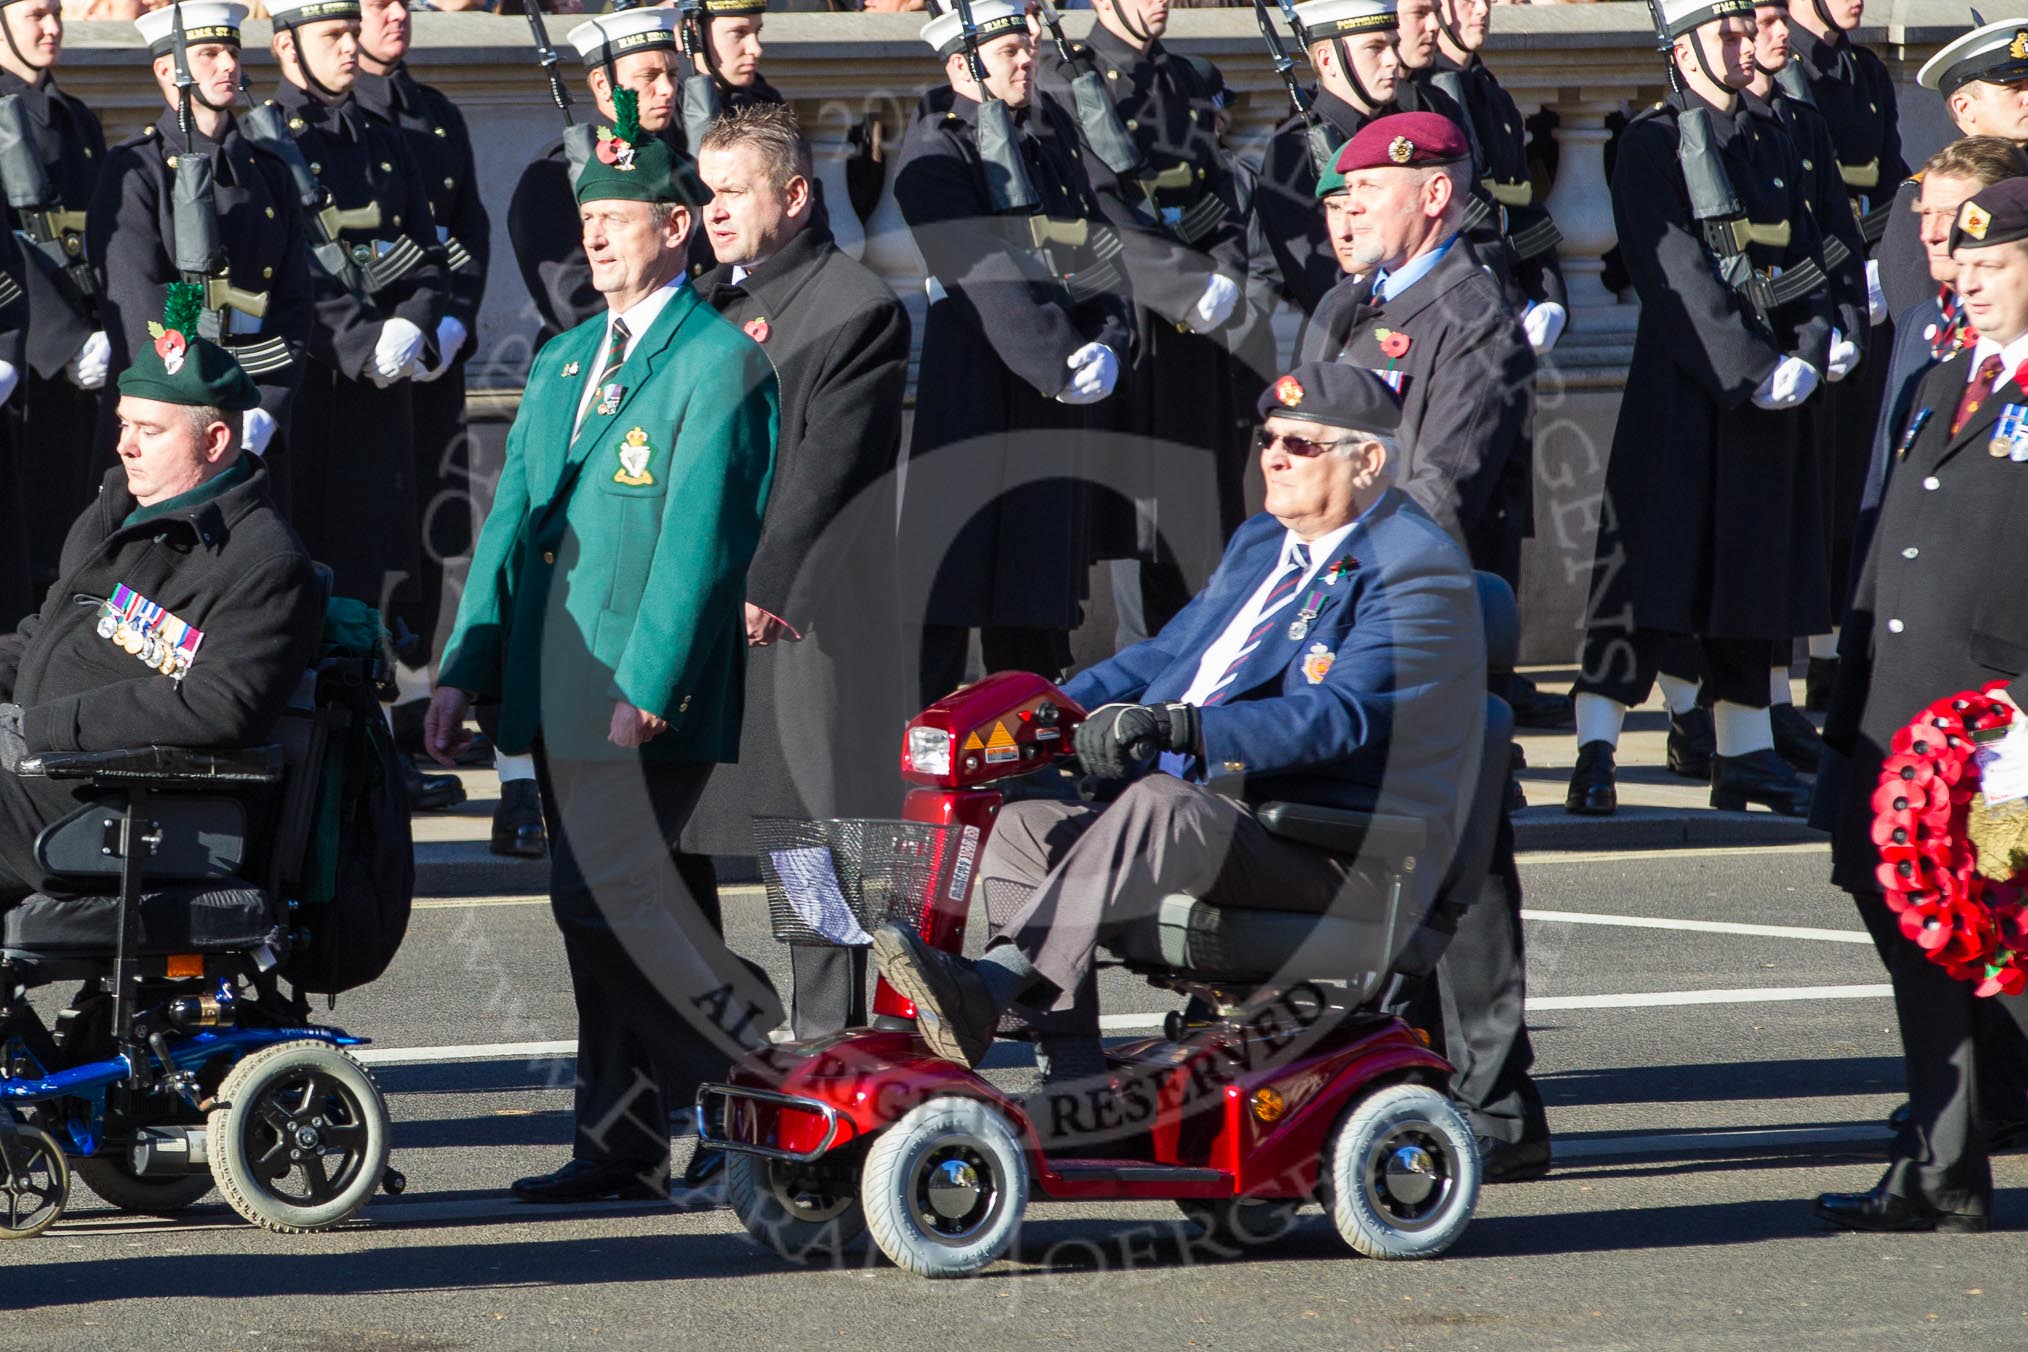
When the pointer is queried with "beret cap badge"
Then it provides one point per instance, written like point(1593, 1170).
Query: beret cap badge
point(1401, 150)
point(1975, 220)
point(1288, 392)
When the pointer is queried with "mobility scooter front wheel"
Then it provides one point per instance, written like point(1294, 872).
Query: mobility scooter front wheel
point(34, 1180)
point(1401, 1173)
point(300, 1141)
point(798, 1210)
point(945, 1188)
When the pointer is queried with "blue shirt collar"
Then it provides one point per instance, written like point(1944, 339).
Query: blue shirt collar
point(1388, 285)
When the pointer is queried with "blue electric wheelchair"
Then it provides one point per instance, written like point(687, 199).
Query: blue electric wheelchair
point(183, 1062)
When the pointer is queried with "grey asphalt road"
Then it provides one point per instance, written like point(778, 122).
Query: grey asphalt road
point(1707, 1075)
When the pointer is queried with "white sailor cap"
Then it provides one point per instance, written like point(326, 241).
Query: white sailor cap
point(295, 13)
point(1322, 19)
point(1994, 52)
point(946, 32)
point(612, 36)
point(203, 21)
point(1681, 16)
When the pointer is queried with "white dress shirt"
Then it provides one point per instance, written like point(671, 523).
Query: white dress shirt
point(640, 316)
point(1221, 653)
point(2011, 356)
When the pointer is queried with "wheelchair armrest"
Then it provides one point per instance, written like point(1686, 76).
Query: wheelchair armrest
point(166, 767)
point(1373, 834)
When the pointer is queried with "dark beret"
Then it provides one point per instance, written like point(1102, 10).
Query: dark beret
point(1336, 395)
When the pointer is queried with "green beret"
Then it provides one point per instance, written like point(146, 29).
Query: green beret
point(183, 368)
point(1331, 180)
point(631, 165)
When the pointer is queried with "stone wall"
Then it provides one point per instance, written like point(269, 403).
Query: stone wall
point(1583, 61)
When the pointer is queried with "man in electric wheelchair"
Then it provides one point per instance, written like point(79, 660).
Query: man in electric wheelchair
point(1336, 658)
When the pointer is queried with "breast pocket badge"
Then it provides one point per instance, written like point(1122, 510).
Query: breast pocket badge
point(634, 452)
point(1317, 663)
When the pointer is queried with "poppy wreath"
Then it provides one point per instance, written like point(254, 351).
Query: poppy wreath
point(1954, 870)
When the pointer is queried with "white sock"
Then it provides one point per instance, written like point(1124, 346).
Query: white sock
point(1598, 719)
point(1680, 695)
point(1824, 645)
point(410, 683)
point(511, 768)
point(1741, 730)
point(1778, 686)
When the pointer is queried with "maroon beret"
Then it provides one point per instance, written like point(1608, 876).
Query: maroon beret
point(1404, 139)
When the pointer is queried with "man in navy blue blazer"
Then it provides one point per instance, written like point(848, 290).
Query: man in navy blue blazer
point(1335, 657)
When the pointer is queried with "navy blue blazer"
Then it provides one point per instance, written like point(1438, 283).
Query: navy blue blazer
point(1376, 708)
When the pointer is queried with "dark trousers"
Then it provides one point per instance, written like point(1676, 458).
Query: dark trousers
point(1940, 1157)
point(830, 989)
point(1621, 665)
point(662, 1005)
point(1046, 652)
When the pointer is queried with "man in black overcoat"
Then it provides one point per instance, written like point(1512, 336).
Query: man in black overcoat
point(826, 691)
point(1938, 610)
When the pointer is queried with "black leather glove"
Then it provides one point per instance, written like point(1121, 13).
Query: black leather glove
point(1115, 741)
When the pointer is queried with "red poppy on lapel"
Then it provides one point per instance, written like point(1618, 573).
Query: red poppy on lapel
point(757, 328)
point(1394, 343)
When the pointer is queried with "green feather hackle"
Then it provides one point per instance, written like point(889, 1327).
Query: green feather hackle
point(185, 303)
point(627, 116)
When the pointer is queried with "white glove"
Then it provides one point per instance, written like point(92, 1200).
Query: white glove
point(394, 352)
point(1792, 381)
point(94, 360)
point(256, 429)
point(1221, 293)
point(1876, 300)
point(1844, 356)
point(450, 337)
point(1543, 322)
point(1094, 370)
point(9, 378)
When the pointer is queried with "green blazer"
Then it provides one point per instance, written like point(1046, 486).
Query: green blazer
point(613, 562)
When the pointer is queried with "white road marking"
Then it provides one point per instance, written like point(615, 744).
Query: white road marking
point(478, 1051)
point(1752, 995)
point(1688, 852)
point(1830, 936)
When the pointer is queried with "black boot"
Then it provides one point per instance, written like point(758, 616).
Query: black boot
point(1593, 788)
point(1795, 737)
point(1818, 682)
point(1758, 777)
point(431, 793)
point(517, 820)
point(1692, 744)
point(1538, 710)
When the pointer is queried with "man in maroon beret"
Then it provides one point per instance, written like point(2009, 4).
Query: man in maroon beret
point(1420, 308)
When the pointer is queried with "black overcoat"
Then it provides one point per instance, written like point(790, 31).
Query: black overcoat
point(1500, 154)
point(824, 712)
point(1853, 89)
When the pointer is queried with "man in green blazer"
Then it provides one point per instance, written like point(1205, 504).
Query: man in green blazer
point(604, 613)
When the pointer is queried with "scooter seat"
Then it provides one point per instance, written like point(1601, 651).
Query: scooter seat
point(219, 915)
point(1243, 944)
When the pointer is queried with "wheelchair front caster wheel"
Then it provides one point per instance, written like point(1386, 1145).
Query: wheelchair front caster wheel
point(301, 1141)
point(944, 1188)
point(394, 1182)
point(34, 1180)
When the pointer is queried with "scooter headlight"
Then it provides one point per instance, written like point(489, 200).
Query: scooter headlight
point(929, 751)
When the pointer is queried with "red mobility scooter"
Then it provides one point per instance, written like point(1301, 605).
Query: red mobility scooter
point(1292, 1087)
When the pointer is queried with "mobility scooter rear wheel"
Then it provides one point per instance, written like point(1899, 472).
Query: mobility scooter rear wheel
point(116, 1183)
point(300, 1143)
point(804, 1212)
point(34, 1180)
point(945, 1187)
point(1401, 1173)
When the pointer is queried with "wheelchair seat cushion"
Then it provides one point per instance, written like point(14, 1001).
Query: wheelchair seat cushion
point(220, 915)
point(1232, 943)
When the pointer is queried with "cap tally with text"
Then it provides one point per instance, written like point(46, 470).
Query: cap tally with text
point(946, 32)
point(1342, 18)
point(1681, 16)
point(1997, 215)
point(203, 21)
point(1334, 394)
point(296, 13)
point(180, 367)
point(624, 33)
point(1403, 141)
point(734, 9)
point(1996, 53)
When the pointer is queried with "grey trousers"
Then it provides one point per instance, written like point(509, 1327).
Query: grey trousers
point(1061, 880)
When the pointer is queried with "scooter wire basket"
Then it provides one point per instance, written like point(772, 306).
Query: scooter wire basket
point(832, 882)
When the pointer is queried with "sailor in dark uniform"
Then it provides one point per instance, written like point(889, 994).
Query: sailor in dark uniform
point(1029, 327)
point(1713, 519)
point(258, 300)
point(1186, 258)
point(53, 416)
point(729, 50)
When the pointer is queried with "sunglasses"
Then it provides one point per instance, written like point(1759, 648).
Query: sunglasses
point(1264, 440)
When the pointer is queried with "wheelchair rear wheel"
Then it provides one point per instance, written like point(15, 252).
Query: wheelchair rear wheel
point(301, 1141)
point(34, 1180)
point(116, 1183)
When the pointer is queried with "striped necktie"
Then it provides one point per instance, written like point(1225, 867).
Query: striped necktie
point(1977, 390)
point(616, 357)
point(1294, 565)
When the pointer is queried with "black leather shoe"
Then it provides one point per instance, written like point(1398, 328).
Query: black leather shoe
point(1880, 1210)
point(1818, 682)
point(431, 793)
point(1593, 791)
point(1538, 710)
point(1758, 777)
point(517, 820)
point(954, 1011)
point(1898, 1119)
point(1513, 1161)
point(594, 1181)
point(1796, 738)
point(1692, 743)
